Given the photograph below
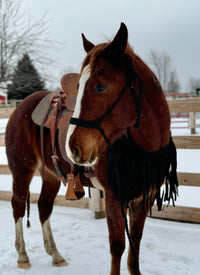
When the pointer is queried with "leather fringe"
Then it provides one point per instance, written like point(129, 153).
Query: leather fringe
point(28, 210)
point(133, 171)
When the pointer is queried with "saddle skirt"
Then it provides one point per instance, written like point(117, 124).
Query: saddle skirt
point(43, 112)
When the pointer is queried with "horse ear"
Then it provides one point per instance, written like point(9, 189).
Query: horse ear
point(87, 44)
point(117, 47)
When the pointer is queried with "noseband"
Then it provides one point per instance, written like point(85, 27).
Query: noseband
point(95, 124)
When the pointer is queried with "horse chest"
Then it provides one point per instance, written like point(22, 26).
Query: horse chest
point(96, 183)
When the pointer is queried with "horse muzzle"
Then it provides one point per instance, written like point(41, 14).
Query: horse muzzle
point(83, 158)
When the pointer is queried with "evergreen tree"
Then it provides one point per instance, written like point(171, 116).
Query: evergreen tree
point(25, 80)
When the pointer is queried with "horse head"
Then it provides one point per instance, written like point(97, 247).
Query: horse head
point(105, 106)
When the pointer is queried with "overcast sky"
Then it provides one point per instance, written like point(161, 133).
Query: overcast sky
point(172, 26)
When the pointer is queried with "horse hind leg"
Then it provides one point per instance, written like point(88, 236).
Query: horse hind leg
point(21, 181)
point(23, 260)
point(49, 191)
point(50, 245)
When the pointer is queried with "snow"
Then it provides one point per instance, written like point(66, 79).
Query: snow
point(167, 247)
point(3, 123)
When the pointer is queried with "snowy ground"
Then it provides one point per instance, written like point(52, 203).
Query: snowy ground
point(167, 247)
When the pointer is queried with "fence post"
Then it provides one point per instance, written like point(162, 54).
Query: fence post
point(13, 102)
point(97, 202)
point(192, 122)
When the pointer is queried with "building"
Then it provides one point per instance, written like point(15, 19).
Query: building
point(3, 98)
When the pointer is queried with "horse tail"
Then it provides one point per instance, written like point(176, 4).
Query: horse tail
point(28, 209)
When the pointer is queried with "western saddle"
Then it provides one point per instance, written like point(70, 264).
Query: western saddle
point(54, 111)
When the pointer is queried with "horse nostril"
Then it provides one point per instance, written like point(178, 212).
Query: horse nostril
point(76, 153)
point(92, 157)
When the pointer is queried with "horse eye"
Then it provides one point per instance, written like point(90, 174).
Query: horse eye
point(99, 88)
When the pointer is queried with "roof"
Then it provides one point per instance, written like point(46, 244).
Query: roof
point(2, 93)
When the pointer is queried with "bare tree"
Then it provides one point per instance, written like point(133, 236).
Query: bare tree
point(161, 64)
point(19, 35)
point(173, 85)
point(193, 85)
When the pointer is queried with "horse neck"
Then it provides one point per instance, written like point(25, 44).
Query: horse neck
point(154, 130)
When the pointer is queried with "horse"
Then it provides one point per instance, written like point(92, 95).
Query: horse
point(110, 116)
point(120, 128)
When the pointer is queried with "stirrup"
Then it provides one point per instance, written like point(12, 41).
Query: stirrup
point(75, 190)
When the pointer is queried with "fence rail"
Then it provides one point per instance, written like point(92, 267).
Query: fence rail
point(6, 112)
point(178, 213)
point(184, 105)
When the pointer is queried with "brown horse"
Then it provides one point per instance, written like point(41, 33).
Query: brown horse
point(122, 115)
point(120, 126)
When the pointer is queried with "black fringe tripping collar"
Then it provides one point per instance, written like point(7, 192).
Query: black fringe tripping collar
point(133, 172)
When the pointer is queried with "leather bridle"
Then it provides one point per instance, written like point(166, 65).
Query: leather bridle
point(96, 124)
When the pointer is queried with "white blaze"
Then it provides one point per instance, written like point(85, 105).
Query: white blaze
point(83, 79)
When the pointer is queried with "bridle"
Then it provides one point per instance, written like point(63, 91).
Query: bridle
point(96, 124)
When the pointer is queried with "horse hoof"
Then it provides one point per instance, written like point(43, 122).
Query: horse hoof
point(26, 265)
point(62, 263)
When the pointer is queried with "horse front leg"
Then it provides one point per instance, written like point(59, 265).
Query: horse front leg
point(137, 219)
point(50, 189)
point(116, 227)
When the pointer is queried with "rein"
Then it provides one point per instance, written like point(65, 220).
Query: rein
point(130, 75)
